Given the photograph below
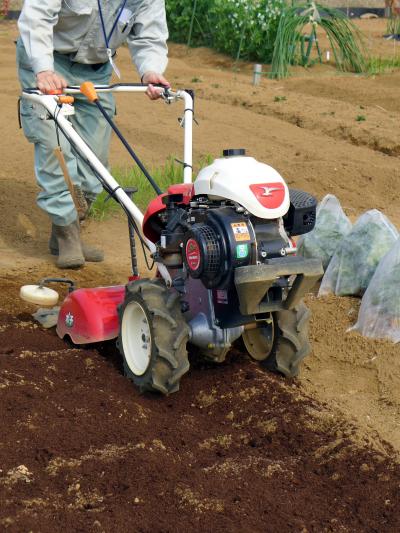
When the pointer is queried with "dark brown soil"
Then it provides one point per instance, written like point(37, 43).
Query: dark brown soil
point(236, 450)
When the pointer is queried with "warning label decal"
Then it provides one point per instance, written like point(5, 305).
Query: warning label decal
point(240, 231)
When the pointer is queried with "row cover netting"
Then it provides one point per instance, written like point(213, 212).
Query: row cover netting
point(360, 260)
point(331, 226)
point(379, 315)
point(358, 255)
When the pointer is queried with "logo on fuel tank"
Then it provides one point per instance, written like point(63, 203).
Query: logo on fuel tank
point(270, 195)
point(269, 190)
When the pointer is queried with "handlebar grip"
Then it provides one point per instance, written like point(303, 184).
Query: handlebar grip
point(88, 89)
point(99, 87)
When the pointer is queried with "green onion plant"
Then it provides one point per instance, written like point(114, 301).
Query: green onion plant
point(346, 41)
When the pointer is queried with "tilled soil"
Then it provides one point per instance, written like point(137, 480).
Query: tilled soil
point(236, 450)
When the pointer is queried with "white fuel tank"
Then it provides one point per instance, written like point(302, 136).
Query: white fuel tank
point(259, 188)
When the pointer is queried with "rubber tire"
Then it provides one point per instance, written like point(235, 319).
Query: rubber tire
point(291, 344)
point(169, 336)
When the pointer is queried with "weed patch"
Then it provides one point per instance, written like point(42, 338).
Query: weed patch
point(168, 174)
point(382, 65)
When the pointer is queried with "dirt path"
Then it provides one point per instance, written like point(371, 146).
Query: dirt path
point(236, 449)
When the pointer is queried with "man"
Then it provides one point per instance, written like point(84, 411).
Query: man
point(66, 42)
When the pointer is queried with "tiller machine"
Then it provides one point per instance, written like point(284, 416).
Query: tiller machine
point(225, 258)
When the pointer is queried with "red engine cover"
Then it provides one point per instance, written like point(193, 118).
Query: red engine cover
point(156, 206)
point(91, 315)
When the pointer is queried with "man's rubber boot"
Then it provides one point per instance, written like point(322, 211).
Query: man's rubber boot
point(69, 247)
point(90, 253)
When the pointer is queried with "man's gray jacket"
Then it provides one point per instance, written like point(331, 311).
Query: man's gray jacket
point(74, 27)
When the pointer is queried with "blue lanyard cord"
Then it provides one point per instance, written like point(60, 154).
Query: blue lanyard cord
point(107, 38)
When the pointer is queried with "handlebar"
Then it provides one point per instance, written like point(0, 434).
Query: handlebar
point(52, 105)
point(116, 87)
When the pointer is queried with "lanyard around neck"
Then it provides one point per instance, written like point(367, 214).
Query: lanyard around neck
point(107, 38)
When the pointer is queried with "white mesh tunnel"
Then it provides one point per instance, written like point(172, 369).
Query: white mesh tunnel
point(331, 226)
point(379, 315)
point(358, 255)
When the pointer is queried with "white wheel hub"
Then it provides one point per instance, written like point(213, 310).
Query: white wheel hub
point(259, 341)
point(136, 338)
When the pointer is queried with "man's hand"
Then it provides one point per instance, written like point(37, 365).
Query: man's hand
point(152, 77)
point(50, 81)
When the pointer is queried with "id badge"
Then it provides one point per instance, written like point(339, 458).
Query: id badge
point(125, 16)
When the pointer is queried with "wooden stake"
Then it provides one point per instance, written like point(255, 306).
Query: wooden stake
point(61, 159)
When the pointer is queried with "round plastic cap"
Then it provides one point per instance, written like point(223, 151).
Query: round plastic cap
point(230, 152)
point(37, 295)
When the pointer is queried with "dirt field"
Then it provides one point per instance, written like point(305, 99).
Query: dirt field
point(236, 449)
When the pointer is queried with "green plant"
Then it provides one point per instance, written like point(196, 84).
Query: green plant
point(361, 118)
point(380, 65)
point(280, 99)
point(188, 22)
point(267, 31)
point(345, 39)
point(169, 173)
point(244, 29)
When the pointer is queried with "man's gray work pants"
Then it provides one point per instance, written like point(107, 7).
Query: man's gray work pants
point(54, 196)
